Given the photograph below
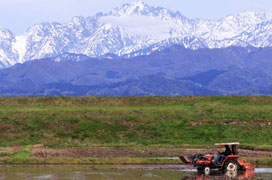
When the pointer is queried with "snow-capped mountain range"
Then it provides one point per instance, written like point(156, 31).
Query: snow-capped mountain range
point(134, 28)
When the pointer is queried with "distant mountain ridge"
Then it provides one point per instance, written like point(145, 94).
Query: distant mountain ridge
point(174, 71)
point(132, 30)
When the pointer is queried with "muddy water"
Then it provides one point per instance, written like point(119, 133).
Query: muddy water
point(122, 173)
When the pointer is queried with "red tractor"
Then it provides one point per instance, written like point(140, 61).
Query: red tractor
point(227, 160)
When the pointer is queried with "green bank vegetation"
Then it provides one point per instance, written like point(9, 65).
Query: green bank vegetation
point(167, 122)
point(136, 121)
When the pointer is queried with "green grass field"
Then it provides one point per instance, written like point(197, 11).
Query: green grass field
point(136, 121)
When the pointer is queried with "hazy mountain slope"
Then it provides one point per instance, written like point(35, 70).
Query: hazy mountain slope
point(173, 71)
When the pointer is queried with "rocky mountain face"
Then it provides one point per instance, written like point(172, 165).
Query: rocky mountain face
point(132, 30)
point(174, 71)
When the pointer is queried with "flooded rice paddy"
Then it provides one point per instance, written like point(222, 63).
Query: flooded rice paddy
point(82, 172)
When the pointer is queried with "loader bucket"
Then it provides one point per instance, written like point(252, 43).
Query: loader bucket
point(185, 159)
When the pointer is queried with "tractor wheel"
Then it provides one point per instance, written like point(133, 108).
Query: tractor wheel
point(231, 165)
point(207, 171)
point(231, 174)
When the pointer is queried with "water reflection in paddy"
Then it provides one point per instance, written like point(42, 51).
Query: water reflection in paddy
point(121, 173)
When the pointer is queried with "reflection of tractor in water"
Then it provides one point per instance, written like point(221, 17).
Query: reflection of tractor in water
point(221, 175)
point(227, 160)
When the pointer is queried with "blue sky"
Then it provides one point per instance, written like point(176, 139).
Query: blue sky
point(18, 15)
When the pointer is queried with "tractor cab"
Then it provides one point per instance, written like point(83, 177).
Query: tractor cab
point(229, 151)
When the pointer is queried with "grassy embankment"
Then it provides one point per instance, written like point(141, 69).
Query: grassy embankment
point(133, 122)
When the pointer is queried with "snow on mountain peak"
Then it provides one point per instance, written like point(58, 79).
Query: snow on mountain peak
point(78, 20)
point(138, 4)
point(248, 17)
point(254, 14)
point(5, 34)
point(135, 27)
point(20, 46)
point(128, 9)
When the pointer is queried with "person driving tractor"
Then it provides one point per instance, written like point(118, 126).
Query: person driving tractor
point(227, 152)
point(222, 155)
